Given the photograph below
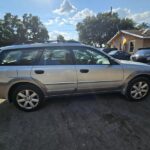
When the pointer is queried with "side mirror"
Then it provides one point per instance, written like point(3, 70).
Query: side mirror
point(113, 62)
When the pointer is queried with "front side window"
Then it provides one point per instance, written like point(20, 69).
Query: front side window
point(87, 56)
point(56, 56)
point(18, 57)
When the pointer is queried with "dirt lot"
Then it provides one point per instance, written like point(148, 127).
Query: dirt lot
point(91, 122)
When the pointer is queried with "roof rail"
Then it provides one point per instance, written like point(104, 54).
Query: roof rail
point(59, 41)
point(72, 41)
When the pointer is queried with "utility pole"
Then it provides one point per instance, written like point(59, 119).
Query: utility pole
point(111, 10)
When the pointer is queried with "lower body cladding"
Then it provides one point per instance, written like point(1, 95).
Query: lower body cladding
point(68, 89)
point(83, 88)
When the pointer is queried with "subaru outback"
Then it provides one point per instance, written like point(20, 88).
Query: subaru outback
point(30, 73)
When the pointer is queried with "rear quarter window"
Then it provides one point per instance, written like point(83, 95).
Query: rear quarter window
point(18, 57)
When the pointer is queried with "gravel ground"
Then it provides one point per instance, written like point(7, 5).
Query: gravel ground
point(91, 122)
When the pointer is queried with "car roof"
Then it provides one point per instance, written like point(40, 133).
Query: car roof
point(39, 45)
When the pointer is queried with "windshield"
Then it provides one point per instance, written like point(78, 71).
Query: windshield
point(112, 52)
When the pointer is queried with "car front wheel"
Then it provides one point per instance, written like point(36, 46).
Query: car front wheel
point(138, 89)
point(28, 98)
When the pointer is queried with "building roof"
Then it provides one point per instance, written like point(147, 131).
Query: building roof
point(143, 34)
point(138, 33)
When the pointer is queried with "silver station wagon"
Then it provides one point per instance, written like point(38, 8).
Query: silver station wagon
point(31, 73)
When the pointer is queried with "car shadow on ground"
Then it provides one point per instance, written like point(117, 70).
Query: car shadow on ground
point(89, 122)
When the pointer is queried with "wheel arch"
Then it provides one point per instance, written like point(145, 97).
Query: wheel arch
point(131, 78)
point(15, 85)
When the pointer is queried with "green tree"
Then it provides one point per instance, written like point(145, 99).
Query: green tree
point(34, 29)
point(27, 29)
point(60, 38)
point(143, 26)
point(97, 30)
point(8, 27)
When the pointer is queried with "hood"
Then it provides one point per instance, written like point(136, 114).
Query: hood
point(135, 66)
point(133, 69)
point(133, 63)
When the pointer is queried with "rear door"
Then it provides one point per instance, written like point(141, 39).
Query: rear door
point(56, 71)
point(95, 71)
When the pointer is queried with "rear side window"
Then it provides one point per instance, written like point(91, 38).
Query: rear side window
point(18, 57)
point(56, 56)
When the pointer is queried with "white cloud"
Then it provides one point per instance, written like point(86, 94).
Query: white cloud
point(65, 8)
point(80, 15)
point(67, 35)
point(122, 12)
point(52, 21)
point(137, 17)
point(141, 17)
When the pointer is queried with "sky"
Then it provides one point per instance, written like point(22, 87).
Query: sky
point(61, 16)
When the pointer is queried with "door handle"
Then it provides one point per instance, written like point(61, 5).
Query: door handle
point(84, 70)
point(39, 71)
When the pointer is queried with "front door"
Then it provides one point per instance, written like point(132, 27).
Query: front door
point(95, 71)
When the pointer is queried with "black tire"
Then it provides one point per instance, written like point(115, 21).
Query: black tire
point(30, 88)
point(134, 82)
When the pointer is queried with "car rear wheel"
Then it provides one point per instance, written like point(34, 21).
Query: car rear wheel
point(138, 89)
point(28, 98)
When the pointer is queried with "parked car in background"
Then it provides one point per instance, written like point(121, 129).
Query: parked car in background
point(118, 54)
point(30, 73)
point(142, 55)
point(108, 50)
